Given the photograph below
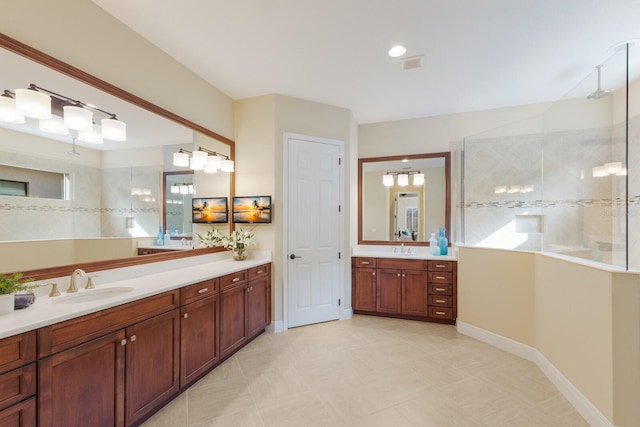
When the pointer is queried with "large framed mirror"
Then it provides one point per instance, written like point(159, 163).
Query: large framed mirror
point(403, 199)
point(110, 197)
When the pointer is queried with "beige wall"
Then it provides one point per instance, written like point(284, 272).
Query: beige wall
point(261, 123)
point(584, 320)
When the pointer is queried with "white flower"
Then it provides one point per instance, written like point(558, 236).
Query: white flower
point(239, 239)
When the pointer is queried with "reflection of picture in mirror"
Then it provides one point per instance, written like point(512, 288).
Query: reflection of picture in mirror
point(252, 209)
point(210, 210)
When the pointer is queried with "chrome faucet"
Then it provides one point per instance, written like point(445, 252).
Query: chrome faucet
point(72, 280)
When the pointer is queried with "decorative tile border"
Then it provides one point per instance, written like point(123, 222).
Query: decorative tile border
point(531, 204)
point(72, 209)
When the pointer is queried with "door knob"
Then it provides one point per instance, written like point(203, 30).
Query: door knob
point(294, 256)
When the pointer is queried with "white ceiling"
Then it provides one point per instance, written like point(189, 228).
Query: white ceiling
point(477, 54)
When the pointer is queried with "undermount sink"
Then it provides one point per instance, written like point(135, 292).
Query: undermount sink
point(93, 295)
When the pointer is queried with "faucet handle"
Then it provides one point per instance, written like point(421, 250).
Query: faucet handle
point(89, 284)
point(54, 289)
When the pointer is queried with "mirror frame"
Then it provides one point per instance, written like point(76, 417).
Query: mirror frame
point(42, 58)
point(447, 213)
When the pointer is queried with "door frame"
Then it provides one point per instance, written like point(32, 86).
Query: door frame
point(285, 230)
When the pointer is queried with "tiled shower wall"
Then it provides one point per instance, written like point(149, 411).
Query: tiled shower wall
point(100, 199)
point(575, 211)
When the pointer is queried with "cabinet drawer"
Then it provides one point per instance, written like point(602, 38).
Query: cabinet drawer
point(441, 301)
point(441, 265)
point(440, 289)
point(64, 335)
point(402, 264)
point(17, 350)
point(441, 312)
point(441, 277)
point(232, 280)
point(17, 385)
point(22, 414)
point(364, 262)
point(260, 271)
point(198, 291)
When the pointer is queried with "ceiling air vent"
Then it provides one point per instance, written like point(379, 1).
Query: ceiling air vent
point(412, 62)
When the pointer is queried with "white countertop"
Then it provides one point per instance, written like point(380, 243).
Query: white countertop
point(146, 280)
point(176, 247)
point(417, 252)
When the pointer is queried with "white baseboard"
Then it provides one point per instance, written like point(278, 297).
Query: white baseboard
point(346, 314)
point(275, 326)
point(583, 405)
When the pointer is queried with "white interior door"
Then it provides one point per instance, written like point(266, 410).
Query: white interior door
point(313, 230)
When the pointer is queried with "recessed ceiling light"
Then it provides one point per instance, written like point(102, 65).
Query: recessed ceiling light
point(397, 51)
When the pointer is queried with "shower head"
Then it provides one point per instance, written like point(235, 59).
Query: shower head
point(599, 93)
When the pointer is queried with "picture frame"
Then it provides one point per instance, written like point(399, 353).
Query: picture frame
point(209, 210)
point(252, 209)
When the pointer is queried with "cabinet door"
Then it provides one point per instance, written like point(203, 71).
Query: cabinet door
point(83, 386)
point(414, 293)
point(364, 295)
point(22, 414)
point(258, 305)
point(199, 351)
point(389, 298)
point(233, 319)
point(152, 355)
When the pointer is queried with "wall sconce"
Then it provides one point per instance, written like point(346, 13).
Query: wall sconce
point(403, 178)
point(613, 168)
point(39, 103)
point(511, 189)
point(203, 160)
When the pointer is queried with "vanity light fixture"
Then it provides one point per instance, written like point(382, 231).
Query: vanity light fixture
point(403, 178)
point(38, 103)
point(204, 160)
point(612, 168)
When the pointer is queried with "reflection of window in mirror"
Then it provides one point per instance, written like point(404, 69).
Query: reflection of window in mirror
point(25, 182)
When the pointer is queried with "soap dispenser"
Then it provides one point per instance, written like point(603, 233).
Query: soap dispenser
point(433, 242)
point(160, 238)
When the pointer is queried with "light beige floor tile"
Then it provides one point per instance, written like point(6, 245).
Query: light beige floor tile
point(300, 410)
point(371, 371)
point(247, 418)
point(386, 418)
point(218, 399)
point(172, 415)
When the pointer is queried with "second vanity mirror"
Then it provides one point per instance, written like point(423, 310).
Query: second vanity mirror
point(403, 199)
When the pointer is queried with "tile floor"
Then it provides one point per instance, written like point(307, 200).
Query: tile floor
point(371, 371)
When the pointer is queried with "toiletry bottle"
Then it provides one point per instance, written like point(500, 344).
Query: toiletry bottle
point(433, 242)
point(443, 242)
point(167, 237)
point(160, 238)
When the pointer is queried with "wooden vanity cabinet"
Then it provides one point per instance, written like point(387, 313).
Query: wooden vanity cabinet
point(405, 288)
point(245, 307)
point(364, 285)
point(199, 330)
point(113, 367)
point(18, 380)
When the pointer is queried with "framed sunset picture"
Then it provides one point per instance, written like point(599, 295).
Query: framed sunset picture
point(254, 209)
point(209, 210)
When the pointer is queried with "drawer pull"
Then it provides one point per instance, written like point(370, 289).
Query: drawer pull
point(440, 266)
point(441, 313)
point(235, 279)
point(440, 277)
point(398, 274)
point(440, 289)
point(440, 301)
point(364, 262)
point(374, 273)
point(123, 342)
point(133, 338)
point(260, 272)
point(203, 290)
point(186, 315)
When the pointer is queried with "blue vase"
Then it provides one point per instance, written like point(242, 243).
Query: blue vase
point(160, 238)
point(443, 242)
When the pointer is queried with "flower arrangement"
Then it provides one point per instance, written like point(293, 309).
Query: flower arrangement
point(238, 241)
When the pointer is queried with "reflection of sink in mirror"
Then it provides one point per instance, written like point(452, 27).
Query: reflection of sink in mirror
point(92, 295)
